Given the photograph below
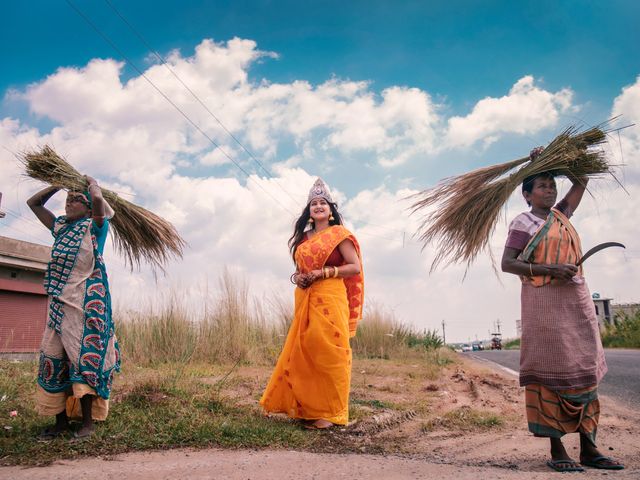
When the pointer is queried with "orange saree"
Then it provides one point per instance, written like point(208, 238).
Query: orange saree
point(312, 377)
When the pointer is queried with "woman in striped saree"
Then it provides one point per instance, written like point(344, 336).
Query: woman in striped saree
point(312, 377)
point(561, 356)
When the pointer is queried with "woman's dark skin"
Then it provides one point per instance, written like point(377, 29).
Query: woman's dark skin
point(542, 197)
point(75, 209)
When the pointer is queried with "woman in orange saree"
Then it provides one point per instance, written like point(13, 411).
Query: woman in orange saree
point(312, 377)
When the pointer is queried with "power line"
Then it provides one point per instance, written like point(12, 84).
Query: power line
point(186, 117)
point(215, 144)
point(22, 232)
point(193, 94)
point(24, 218)
point(212, 114)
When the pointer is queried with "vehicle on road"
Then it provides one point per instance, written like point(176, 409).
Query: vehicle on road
point(466, 348)
point(476, 346)
point(496, 342)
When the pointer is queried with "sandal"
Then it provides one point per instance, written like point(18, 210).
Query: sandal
point(603, 463)
point(571, 466)
point(50, 433)
point(81, 437)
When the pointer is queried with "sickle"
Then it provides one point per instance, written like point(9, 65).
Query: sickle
point(596, 249)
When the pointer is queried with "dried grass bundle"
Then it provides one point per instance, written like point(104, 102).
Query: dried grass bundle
point(138, 233)
point(466, 208)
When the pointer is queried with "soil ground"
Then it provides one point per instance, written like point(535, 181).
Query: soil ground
point(466, 423)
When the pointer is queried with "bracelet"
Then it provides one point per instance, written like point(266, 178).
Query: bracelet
point(325, 272)
point(530, 270)
point(335, 272)
point(92, 185)
point(291, 278)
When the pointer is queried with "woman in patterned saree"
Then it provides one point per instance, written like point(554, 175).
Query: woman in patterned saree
point(561, 357)
point(79, 352)
point(312, 377)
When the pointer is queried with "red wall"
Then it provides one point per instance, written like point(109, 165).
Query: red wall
point(23, 312)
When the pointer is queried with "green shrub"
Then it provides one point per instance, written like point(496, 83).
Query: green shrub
point(623, 333)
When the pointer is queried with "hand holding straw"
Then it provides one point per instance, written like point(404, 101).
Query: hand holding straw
point(466, 207)
point(138, 234)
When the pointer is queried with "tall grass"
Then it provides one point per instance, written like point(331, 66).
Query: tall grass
point(624, 333)
point(230, 327)
point(379, 334)
point(235, 327)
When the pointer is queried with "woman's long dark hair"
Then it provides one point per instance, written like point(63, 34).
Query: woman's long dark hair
point(301, 224)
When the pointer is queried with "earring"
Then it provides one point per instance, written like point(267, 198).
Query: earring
point(310, 221)
point(331, 219)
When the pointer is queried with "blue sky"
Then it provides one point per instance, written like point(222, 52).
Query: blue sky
point(380, 98)
point(461, 50)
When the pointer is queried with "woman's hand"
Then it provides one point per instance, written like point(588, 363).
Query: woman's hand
point(315, 275)
point(564, 271)
point(302, 280)
point(98, 210)
point(90, 180)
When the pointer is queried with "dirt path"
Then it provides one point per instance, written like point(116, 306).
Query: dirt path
point(228, 464)
point(430, 433)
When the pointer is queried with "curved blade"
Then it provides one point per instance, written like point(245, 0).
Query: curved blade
point(596, 249)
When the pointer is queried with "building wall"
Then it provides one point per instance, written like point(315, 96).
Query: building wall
point(11, 273)
point(23, 301)
point(23, 321)
point(628, 309)
point(603, 311)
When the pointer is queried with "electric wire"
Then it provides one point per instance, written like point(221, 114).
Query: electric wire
point(162, 60)
point(171, 102)
point(196, 126)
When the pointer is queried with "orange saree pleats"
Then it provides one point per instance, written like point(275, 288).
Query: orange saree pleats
point(311, 379)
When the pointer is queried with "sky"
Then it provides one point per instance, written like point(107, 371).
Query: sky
point(380, 99)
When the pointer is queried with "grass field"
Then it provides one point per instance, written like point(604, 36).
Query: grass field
point(195, 380)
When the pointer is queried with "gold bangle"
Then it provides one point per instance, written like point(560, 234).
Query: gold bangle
point(325, 272)
point(335, 272)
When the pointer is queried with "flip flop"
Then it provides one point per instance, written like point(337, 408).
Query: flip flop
point(49, 434)
point(603, 463)
point(81, 437)
point(572, 466)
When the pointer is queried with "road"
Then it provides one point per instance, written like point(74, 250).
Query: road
point(622, 382)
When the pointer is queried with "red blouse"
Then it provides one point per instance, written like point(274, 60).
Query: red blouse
point(334, 260)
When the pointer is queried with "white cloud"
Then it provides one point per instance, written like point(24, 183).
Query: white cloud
point(526, 109)
point(125, 134)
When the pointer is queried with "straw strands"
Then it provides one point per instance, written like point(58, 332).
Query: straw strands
point(463, 210)
point(138, 234)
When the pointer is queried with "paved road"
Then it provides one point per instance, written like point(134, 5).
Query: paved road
point(622, 382)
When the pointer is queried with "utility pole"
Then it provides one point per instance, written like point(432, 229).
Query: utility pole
point(444, 336)
point(498, 325)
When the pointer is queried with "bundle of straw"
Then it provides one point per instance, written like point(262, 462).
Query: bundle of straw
point(138, 234)
point(466, 208)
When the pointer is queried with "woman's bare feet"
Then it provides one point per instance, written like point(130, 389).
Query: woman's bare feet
point(319, 424)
